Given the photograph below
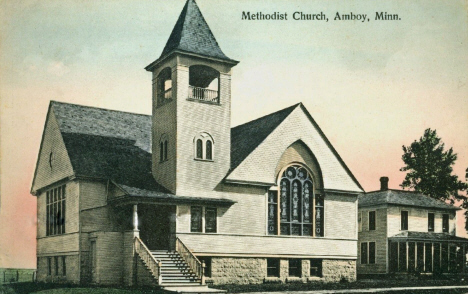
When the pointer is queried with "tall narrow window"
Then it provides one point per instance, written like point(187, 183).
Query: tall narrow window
point(64, 266)
point(371, 252)
point(316, 267)
point(297, 204)
point(371, 220)
point(56, 263)
point(364, 253)
point(196, 219)
point(360, 222)
point(402, 257)
point(430, 222)
point(445, 223)
point(272, 212)
point(55, 211)
point(49, 266)
point(199, 149)
point(404, 220)
point(210, 220)
point(209, 150)
point(163, 148)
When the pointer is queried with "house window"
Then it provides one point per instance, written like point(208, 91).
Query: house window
point(430, 222)
point(360, 222)
point(295, 268)
point(404, 220)
point(64, 266)
point(371, 252)
point(210, 220)
point(273, 266)
point(315, 267)
point(371, 220)
point(445, 223)
point(49, 266)
point(204, 147)
point(163, 148)
point(56, 263)
point(272, 212)
point(364, 253)
point(297, 204)
point(196, 219)
point(55, 214)
point(198, 215)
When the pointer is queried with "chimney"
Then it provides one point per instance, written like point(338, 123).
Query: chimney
point(383, 183)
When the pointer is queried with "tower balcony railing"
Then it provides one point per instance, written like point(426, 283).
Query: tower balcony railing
point(168, 93)
point(203, 94)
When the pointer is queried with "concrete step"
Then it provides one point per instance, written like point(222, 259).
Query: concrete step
point(192, 289)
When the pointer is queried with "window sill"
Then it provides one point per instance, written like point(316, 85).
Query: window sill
point(200, 159)
point(294, 280)
point(162, 161)
point(271, 280)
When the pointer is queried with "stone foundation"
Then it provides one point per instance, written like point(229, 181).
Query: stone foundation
point(337, 270)
point(231, 270)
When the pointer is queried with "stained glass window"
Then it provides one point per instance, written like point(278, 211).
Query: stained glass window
point(210, 220)
point(209, 154)
point(297, 204)
point(199, 149)
point(272, 212)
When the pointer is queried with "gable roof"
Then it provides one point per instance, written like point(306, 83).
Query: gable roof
point(246, 137)
point(191, 34)
point(402, 198)
point(108, 144)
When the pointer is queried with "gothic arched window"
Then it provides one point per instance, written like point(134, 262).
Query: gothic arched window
point(163, 148)
point(203, 145)
point(300, 210)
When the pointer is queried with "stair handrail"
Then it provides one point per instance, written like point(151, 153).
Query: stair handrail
point(195, 265)
point(145, 254)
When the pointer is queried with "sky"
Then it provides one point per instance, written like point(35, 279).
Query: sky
point(372, 86)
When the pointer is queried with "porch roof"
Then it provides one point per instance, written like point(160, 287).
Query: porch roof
point(136, 196)
point(427, 236)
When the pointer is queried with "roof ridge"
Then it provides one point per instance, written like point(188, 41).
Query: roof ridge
point(94, 107)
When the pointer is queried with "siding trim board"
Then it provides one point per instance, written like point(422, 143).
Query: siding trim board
point(253, 255)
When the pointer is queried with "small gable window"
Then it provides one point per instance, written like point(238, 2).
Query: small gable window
point(163, 148)
point(204, 145)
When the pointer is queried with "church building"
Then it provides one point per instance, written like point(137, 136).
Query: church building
point(181, 198)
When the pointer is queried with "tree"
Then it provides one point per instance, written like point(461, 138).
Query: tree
point(429, 170)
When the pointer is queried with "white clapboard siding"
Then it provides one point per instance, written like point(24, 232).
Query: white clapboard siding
point(52, 143)
point(217, 244)
point(58, 244)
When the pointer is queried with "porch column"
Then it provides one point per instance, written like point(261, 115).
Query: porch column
point(135, 217)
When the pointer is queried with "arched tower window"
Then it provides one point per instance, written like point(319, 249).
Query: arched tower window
point(300, 209)
point(164, 86)
point(163, 148)
point(203, 84)
point(204, 146)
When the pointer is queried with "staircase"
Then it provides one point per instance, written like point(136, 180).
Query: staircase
point(174, 270)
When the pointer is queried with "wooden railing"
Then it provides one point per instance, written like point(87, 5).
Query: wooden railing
point(195, 265)
point(203, 94)
point(148, 258)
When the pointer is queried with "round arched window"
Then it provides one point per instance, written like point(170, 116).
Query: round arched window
point(297, 205)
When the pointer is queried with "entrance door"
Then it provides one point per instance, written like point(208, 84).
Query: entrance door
point(156, 222)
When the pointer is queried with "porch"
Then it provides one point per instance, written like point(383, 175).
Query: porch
point(431, 253)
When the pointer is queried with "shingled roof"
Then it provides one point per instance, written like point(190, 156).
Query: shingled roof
point(246, 137)
point(192, 34)
point(116, 145)
point(403, 198)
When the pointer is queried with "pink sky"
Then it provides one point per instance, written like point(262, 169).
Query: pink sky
point(372, 87)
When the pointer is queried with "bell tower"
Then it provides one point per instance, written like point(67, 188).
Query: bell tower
point(191, 132)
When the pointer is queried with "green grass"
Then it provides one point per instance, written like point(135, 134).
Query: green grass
point(48, 288)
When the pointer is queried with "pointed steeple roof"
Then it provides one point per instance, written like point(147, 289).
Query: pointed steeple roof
point(191, 34)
